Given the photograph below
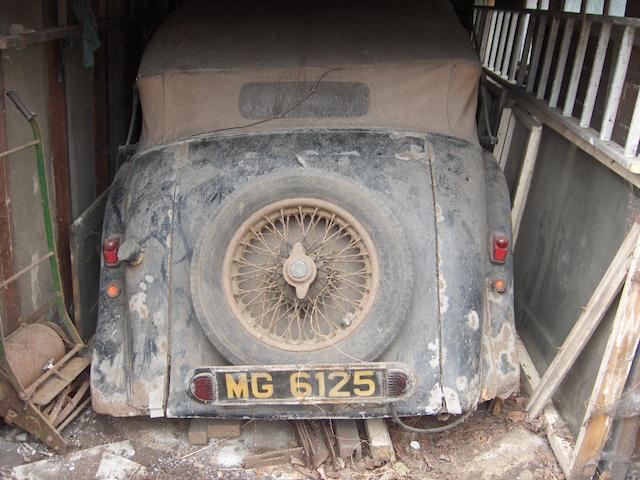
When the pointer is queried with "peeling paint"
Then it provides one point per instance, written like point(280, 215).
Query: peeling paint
point(451, 400)
point(414, 153)
point(435, 360)
point(439, 213)
point(148, 279)
point(444, 300)
point(138, 304)
point(473, 320)
point(434, 404)
point(143, 286)
point(461, 383)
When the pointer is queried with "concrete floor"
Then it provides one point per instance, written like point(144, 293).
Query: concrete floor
point(486, 446)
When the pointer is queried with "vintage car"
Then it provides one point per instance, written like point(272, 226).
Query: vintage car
point(308, 227)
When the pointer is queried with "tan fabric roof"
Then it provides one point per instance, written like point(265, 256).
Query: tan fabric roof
point(416, 60)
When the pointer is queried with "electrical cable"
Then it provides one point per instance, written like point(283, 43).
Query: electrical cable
point(441, 429)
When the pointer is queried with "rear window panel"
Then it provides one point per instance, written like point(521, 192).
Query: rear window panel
point(262, 100)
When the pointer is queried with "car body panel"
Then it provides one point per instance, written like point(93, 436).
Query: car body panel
point(175, 189)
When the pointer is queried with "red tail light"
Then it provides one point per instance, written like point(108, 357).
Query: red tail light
point(202, 387)
point(110, 251)
point(499, 248)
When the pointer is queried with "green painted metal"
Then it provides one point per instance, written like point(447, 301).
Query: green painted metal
point(56, 279)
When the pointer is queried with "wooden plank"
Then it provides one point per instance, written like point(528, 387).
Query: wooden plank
point(524, 179)
point(537, 50)
point(496, 40)
point(39, 36)
point(591, 316)
point(269, 459)
point(596, 75)
point(528, 42)
point(54, 385)
point(57, 109)
point(198, 431)
point(557, 433)
point(612, 376)
point(100, 120)
point(576, 70)
point(555, 13)
point(561, 63)
point(348, 439)
point(221, 428)
point(510, 46)
point(85, 238)
point(379, 441)
point(609, 154)
point(503, 134)
point(617, 84)
point(548, 57)
point(9, 295)
point(506, 22)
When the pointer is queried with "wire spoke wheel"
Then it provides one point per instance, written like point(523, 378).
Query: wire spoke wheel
point(300, 274)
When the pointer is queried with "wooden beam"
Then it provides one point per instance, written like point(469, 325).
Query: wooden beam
point(100, 118)
point(21, 40)
point(9, 295)
point(607, 153)
point(59, 152)
point(526, 171)
point(504, 136)
point(612, 376)
point(558, 435)
point(591, 316)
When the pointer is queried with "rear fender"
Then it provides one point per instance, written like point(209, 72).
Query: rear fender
point(500, 367)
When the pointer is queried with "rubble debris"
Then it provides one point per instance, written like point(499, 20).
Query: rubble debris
point(279, 457)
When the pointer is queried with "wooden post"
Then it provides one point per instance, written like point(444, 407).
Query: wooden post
point(526, 170)
point(557, 433)
point(612, 376)
point(9, 295)
point(58, 140)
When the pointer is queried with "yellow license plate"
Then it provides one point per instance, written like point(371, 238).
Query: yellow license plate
point(293, 384)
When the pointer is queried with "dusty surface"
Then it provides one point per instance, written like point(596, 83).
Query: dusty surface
point(487, 446)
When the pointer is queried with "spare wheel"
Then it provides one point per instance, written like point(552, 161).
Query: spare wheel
point(302, 266)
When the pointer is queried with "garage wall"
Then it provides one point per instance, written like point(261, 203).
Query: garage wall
point(98, 108)
point(577, 214)
point(25, 71)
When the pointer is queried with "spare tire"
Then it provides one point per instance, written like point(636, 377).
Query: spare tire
point(302, 266)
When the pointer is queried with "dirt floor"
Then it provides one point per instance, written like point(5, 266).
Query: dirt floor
point(489, 445)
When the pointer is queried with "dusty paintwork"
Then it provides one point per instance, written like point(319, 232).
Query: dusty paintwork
point(453, 360)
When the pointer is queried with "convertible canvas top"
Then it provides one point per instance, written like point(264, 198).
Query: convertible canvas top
point(412, 64)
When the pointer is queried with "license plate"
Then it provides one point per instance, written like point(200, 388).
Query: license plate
point(360, 383)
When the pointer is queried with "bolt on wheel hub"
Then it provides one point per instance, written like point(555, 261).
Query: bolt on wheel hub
point(299, 270)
